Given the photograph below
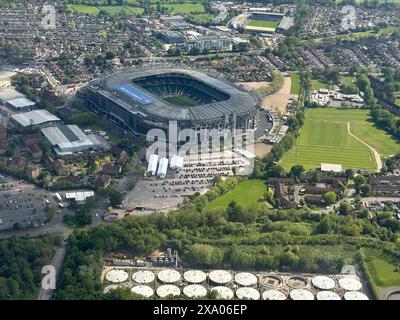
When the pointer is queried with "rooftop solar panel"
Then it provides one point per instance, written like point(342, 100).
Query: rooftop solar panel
point(135, 94)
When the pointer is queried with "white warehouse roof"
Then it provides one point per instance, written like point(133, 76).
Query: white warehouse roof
point(20, 103)
point(68, 139)
point(36, 117)
point(9, 94)
point(162, 167)
point(79, 196)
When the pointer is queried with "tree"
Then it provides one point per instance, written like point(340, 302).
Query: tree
point(358, 182)
point(349, 173)
point(344, 207)
point(204, 255)
point(330, 197)
point(116, 198)
point(365, 190)
point(297, 170)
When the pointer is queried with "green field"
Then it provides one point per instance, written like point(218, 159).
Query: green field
point(295, 86)
point(262, 23)
point(181, 101)
point(184, 7)
point(398, 101)
point(245, 193)
point(324, 138)
point(383, 273)
point(111, 10)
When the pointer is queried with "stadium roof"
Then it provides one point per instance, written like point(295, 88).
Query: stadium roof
point(67, 139)
point(35, 117)
point(139, 100)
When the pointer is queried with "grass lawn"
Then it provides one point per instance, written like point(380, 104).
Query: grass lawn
point(184, 7)
point(112, 10)
point(262, 23)
point(295, 87)
point(201, 18)
point(317, 84)
point(181, 101)
point(83, 9)
point(382, 269)
point(324, 138)
point(347, 80)
point(245, 193)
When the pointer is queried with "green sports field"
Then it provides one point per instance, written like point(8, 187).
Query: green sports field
point(262, 23)
point(180, 101)
point(324, 138)
point(245, 193)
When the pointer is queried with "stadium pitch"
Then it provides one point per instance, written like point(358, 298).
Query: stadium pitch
point(339, 136)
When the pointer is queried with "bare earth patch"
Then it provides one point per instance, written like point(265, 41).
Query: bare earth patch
point(261, 150)
point(278, 101)
point(254, 85)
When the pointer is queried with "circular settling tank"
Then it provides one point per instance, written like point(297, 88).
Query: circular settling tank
point(246, 293)
point(355, 295)
point(301, 294)
point(269, 280)
point(195, 291)
point(245, 279)
point(224, 293)
point(220, 277)
point(168, 290)
point(273, 295)
point(194, 276)
point(350, 284)
point(117, 276)
point(143, 276)
point(169, 276)
point(144, 291)
point(328, 295)
point(297, 282)
point(323, 282)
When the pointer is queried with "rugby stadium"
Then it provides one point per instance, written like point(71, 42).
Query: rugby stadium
point(139, 100)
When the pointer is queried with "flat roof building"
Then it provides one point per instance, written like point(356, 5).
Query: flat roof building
point(35, 118)
point(68, 139)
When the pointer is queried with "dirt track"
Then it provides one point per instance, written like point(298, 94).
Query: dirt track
point(278, 101)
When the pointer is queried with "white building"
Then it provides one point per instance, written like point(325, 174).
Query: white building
point(176, 163)
point(152, 166)
point(162, 168)
point(68, 139)
point(35, 118)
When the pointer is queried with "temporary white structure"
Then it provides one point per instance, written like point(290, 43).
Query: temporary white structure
point(176, 163)
point(152, 167)
point(162, 168)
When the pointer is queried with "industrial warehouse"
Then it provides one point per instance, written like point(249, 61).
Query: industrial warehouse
point(141, 100)
point(163, 282)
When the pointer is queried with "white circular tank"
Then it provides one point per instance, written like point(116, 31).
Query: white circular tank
point(273, 295)
point(247, 293)
point(194, 276)
point(225, 293)
point(323, 282)
point(142, 290)
point(220, 276)
point(350, 284)
point(117, 276)
point(143, 276)
point(168, 290)
point(110, 288)
point(195, 291)
point(245, 279)
point(169, 276)
point(355, 295)
point(328, 295)
point(301, 294)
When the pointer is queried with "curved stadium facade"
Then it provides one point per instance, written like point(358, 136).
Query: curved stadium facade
point(140, 100)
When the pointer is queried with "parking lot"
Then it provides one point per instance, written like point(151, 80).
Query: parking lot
point(22, 204)
point(196, 176)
